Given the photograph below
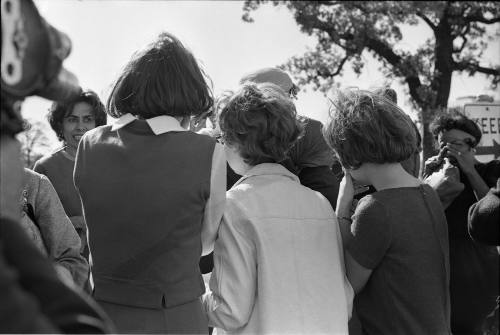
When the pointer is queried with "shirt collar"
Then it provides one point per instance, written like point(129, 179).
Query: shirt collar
point(268, 169)
point(158, 124)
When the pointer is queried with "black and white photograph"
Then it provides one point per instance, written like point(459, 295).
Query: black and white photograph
point(250, 167)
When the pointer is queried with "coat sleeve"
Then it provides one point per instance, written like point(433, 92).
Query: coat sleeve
point(60, 237)
point(234, 279)
point(216, 201)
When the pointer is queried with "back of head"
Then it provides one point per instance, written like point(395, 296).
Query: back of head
point(274, 76)
point(162, 79)
point(365, 127)
point(261, 122)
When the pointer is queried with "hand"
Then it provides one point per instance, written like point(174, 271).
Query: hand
point(434, 163)
point(464, 157)
point(346, 196)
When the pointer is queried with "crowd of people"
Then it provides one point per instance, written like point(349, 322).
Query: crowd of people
point(305, 228)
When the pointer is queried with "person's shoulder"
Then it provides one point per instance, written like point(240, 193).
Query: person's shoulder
point(489, 171)
point(237, 193)
point(371, 211)
point(48, 159)
point(97, 132)
point(198, 142)
point(493, 165)
point(36, 185)
point(32, 174)
point(237, 207)
point(201, 136)
point(32, 178)
point(374, 204)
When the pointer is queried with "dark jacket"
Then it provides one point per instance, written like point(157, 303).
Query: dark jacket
point(34, 300)
point(484, 218)
point(144, 197)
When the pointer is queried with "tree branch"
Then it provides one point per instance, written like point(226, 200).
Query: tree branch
point(396, 61)
point(464, 42)
point(480, 18)
point(427, 20)
point(467, 66)
point(329, 3)
point(341, 65)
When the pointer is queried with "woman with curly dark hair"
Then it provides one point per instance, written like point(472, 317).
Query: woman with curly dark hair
point(70, 121)
point(278, 259)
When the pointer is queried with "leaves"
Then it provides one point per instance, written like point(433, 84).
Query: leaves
point(34, 142)
point(346, 29)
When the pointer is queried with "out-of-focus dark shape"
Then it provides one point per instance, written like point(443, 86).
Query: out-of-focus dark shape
point(32, 55)
point(34, 300)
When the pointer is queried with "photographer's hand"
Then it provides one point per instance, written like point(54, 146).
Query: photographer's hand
point(434, 163)
point(466, 160)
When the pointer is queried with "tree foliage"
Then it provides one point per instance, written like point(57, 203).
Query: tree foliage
point(346, 29)
point(34, 142)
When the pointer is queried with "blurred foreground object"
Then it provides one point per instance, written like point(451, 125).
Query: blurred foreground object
point(32, 56)
point(34, 300)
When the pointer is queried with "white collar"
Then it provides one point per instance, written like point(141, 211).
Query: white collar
point(158, 124)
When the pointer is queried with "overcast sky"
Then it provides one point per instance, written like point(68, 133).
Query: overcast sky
point(105, 34)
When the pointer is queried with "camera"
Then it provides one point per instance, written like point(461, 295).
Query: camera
point(32, 55)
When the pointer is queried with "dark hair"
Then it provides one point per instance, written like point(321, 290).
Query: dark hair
point(163, 79)
point(59, 110)
point(453, 119)
point(261, 121)
point(365, 127)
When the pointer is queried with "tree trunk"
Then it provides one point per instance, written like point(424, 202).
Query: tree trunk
point(427, 141)
point(428, 145)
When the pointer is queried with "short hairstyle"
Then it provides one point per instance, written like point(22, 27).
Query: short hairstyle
point(59, 110)
point(162, 79)
point(453, 119)
point(365, 127)
point(272, 75)
point(387, 92)
point(260, 120)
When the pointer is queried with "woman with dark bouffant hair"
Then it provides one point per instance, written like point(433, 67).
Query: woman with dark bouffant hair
point(153, 193)
point(397, 235)
point(70, 121)
point(278, 259)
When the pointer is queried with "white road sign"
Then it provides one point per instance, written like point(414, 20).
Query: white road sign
point(487, 116)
